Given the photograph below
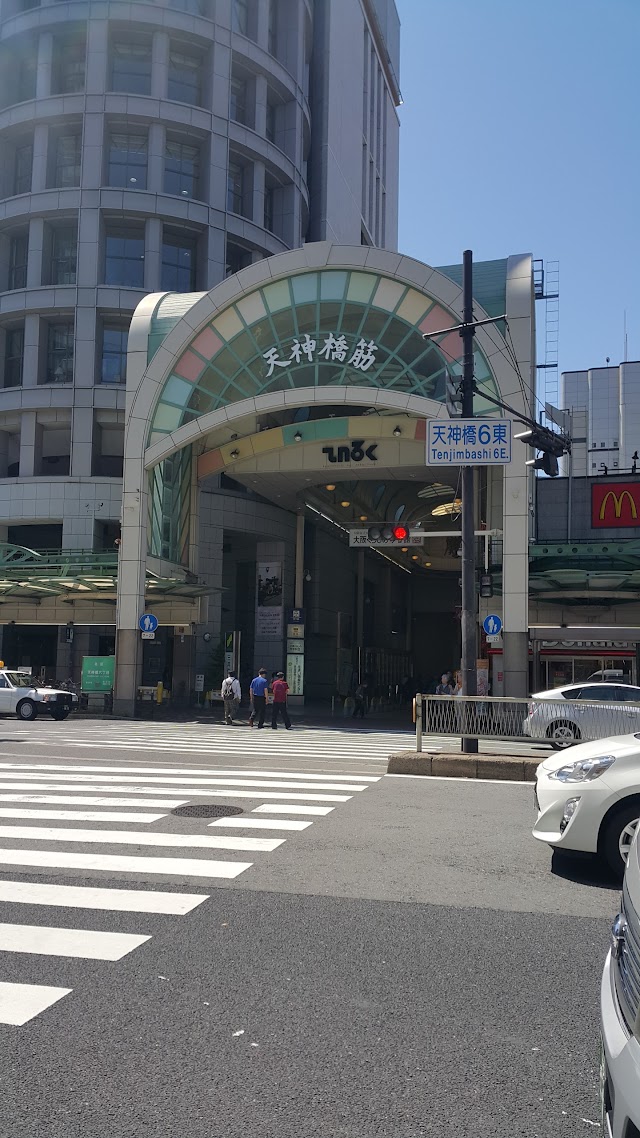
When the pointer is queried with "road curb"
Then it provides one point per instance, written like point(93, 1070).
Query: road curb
point(442, 763)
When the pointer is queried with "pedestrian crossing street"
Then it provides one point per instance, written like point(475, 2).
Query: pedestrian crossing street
point(46, 827)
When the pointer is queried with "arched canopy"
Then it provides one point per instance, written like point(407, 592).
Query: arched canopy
point(325, 328)
point(320, 323)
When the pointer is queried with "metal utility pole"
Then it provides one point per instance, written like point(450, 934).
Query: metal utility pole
point(469, 601)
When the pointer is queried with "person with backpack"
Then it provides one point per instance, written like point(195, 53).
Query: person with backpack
point(231, 693)
point(280, 687)
point(258, 689)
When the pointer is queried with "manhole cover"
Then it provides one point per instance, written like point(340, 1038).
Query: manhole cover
point(203, 810)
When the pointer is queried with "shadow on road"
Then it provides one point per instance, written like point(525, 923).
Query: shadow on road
point(583, 869)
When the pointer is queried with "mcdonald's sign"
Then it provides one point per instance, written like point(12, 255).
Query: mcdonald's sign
point(615, 505)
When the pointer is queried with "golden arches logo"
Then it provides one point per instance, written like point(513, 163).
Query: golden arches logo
point(618, 499)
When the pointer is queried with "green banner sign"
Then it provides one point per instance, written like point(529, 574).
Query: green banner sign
point(98, 673)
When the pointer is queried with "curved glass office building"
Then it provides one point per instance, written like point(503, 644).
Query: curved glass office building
point(156, 148)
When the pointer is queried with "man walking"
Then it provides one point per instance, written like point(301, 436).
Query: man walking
point(280, 688)
point(259, 685)
point(231, 694)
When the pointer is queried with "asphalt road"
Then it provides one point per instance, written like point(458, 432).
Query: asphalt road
point(410, 964)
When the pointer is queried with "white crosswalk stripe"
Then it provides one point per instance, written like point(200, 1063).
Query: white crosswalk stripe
point(334, 742)
point(46, 815)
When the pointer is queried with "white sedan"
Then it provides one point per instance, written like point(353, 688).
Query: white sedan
point(589, 801)
point(20, 696)
point(577, 712)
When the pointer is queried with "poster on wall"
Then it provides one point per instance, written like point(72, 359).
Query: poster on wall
point(269, 600)
point(295, 674)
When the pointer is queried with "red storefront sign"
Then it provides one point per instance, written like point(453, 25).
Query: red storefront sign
point(615, 505)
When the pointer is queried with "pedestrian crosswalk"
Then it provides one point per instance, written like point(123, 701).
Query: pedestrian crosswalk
point(46, 828)
point(338, 743)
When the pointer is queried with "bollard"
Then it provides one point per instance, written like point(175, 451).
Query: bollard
point(159, 692)
point(418, 719)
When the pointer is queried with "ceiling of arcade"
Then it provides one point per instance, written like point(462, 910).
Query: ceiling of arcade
point(302, 460)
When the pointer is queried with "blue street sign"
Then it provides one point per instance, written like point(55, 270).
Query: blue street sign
point(148, 622)
point(492, 625)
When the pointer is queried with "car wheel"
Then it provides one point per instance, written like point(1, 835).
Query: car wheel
point(563, 733)
point(617, 836)
point(59, 715)
point(26, 709)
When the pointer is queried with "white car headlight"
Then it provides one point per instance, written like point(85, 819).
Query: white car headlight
point(585, 770)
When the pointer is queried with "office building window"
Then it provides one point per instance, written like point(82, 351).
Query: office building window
point(60, 353)
point(272, 33)
point(124, 257)
point(181, 169)
point(67, 163)
point(240, 16)
point(23, 161)
point(25, 73)
point(127, 161)
point(237, 257)
point(178, 263)
point(269, 199)
point(131, 67)
point(185, 77)
point(238, 100)
point(235, 188)
point(18, 252)
point(13, 356)
point(270, 127)
point(114, 352)
point(64, 247)
point(196, 7)
point(68, 65)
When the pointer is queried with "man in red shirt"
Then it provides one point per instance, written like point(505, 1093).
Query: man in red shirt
point(280, 688)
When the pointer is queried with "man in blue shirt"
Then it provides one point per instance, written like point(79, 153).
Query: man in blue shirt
point(258, 690)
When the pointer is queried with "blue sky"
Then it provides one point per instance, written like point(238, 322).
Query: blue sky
point(519, 134)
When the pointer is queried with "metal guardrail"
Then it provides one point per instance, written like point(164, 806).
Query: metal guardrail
point(559, 722)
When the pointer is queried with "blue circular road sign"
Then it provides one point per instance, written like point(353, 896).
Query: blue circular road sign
point(492, 625)
point(148, 622)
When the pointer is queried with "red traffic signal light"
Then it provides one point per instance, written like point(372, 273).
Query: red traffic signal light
point(388, 533)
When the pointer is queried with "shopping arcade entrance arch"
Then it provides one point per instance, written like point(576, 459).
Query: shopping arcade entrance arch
point(323, 326)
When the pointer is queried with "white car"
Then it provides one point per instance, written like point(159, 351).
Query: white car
point(578, 712)
point(589, 801)
point(619, 1013)
point(20, 696)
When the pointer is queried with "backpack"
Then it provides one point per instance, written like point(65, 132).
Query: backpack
point(227, 689)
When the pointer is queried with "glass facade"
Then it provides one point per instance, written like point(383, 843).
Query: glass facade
point(60, 353)
point(185, 77)
point(13, 356)
point(64, 246)
point(181, 169)
point(115, 336)
point(127, 161)
point(18, 252)
point(68, 158)
point(22, 168)
point(131, 67)
point(124, 257)
point(178, 263)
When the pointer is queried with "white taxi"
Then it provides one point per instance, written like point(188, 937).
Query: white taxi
point(21, 697)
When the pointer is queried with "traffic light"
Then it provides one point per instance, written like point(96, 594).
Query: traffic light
point(486, 585)
point(453, 394)
point(390, 532)
point(551, 445)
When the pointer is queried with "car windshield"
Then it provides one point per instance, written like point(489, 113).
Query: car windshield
point(19, 679)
